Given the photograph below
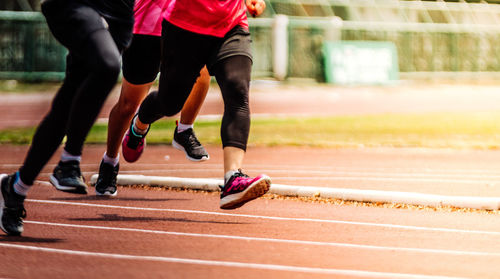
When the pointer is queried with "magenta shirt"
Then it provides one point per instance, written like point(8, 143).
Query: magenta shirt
point(148, 16)
point(207, 17)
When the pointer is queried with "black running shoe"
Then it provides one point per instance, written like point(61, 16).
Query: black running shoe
point(67, 177)
point(106, 181)
point(12, 210)
point(187, 142)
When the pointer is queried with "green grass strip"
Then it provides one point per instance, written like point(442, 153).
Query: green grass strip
point(437, 130)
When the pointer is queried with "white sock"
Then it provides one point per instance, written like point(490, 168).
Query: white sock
point(110, 160)
point(136, 130)
point(183, 127)
point(228, 175)
point(66, 156)
point(20, 187)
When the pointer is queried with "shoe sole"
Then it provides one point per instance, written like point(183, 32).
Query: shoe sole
point(255, 190)
point(67, 189)
point(106, 194)
point(178, 146)
point(2, 206)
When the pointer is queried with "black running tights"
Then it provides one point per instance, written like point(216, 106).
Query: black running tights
point(91, 74)
point(233, 77)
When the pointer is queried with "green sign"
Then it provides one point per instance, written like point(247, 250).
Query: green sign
point(361, 62)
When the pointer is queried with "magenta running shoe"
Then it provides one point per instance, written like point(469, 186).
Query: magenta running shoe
point(240, 189)
point(133, 144)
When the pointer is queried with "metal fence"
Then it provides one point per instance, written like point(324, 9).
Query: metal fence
point(28, 50)
point(425, 50)
point(433, 39)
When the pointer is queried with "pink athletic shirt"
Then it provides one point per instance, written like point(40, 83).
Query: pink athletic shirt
point(207, 17)
point(148, 16)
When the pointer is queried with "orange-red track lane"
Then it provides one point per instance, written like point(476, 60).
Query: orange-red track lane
point(170, 234)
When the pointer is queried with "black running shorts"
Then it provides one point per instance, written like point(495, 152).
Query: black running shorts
point(236, 42)
point(141, 61)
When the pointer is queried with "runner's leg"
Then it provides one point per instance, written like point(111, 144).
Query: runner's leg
point(184, 137)
point(196, 98)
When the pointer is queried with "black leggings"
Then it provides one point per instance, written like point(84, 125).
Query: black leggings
point(233, 77)
point(183, 56)
point(91, 72)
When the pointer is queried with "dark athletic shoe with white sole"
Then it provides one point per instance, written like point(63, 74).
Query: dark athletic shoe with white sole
point(186, 141)
point(106, 181)
point(240, 189)
point(67, 177)
point(12, 210)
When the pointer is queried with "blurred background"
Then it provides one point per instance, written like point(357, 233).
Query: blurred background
point(333, 41)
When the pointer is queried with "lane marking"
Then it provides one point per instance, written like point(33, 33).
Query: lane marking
point(276, 218)
point(276, 240)
point(296, 168)
point(458, 178)
point(346, 272)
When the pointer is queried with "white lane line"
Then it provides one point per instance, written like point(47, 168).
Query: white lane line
point(276, 240)
point(392, 226)
point(346, 272)
point(299, 168)
point(468, 179)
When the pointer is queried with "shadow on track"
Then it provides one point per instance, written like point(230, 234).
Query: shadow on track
point(27, 239)
point(116, 217)
point(99, 198)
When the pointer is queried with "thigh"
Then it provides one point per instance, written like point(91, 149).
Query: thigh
point(183, 56)
point(121, 31)
point(141, 61)
point(71, 22)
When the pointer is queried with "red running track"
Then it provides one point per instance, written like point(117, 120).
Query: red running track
point(169, 234)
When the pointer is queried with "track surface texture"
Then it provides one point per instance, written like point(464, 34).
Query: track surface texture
point(156, 233)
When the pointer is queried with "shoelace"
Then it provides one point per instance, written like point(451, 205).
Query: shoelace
point(134, 141)
point(240, 174)
point(193, 141)
point(236, 174)
point(108, 176)
point(72, 171)
point(239, 184)
point(108, 179)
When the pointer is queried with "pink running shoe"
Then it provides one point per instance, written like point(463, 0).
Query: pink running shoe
point(241, 189)
point(133, 144)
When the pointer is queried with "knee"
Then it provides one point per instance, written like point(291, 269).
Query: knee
point(171, 108)
point(237, 102)
point(171, 103)
point(237, 89)
point(109, 67)
point(127, 107)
